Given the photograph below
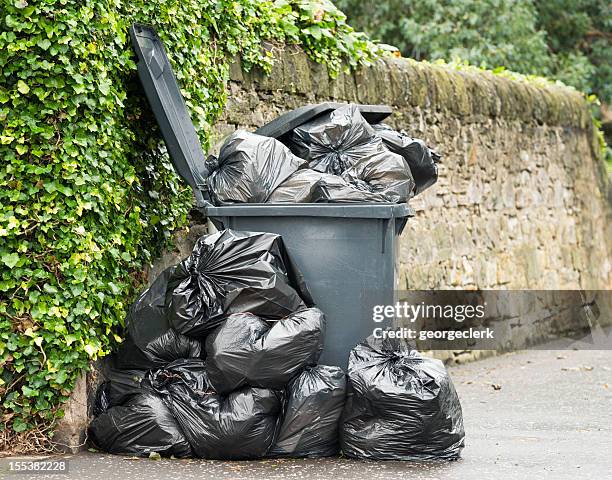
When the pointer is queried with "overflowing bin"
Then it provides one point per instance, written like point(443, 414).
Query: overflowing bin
point(238, 351)
point(346, 251)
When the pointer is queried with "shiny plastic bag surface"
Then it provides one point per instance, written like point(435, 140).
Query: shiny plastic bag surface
point(149, 340)
point(230, 272)
point(142, 425)
point(423, 161)
point(117, 387)
point(311, 186)
point(310, 427)
point(240, 425)
point(400, 405)
point(343, 143)
point(247, 350)
point(249, 168)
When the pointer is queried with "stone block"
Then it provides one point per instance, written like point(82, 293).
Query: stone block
point(297, 72)
point(69, 435)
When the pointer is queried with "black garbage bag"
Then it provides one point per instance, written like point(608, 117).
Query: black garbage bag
point(247, 350)
point(400, 405)
point(423, 161)
point(149, 340)
point(102, 400)
point(119, 385)
point(141, 426)
point(335, 141)
point(343, 143)
point(229, 272)
point(311, 186)
point(169, 346)
point(241, 425)
point(187, 373)
point(385, 174)
point(249, 168)
point(313, 408)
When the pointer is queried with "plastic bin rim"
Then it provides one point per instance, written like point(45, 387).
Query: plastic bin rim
point(353, 210)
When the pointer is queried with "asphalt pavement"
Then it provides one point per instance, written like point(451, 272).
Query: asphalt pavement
point(528, 415)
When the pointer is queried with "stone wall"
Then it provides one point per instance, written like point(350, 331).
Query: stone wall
point(523, 198)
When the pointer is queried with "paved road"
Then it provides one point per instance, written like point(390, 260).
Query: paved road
point(528, 415)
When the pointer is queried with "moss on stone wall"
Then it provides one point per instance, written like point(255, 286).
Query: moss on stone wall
point(402, 81)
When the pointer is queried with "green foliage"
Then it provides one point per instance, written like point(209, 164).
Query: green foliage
point(87, 193)
point(578, 33)
point(322, 30)
point(568, 40)
point(487, 33)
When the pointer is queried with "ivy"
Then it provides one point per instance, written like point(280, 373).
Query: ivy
point(87, 192)
point(323, 32)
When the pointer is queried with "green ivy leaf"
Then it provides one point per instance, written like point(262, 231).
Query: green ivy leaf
point(19, 425)
point(104, 87)
point(23, 87)
point(114, 288)
point(29, 392)
point(90, 349)
point(50, 289)
point(45, 43)
point(10, 259)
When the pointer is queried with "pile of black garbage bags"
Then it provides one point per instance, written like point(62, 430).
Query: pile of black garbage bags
point(220, 362)
point(337, 157)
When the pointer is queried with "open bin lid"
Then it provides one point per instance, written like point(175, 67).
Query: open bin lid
point(169, 108)
point(290, 120)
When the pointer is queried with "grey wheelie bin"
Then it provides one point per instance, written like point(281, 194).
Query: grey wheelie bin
point(346, 252)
